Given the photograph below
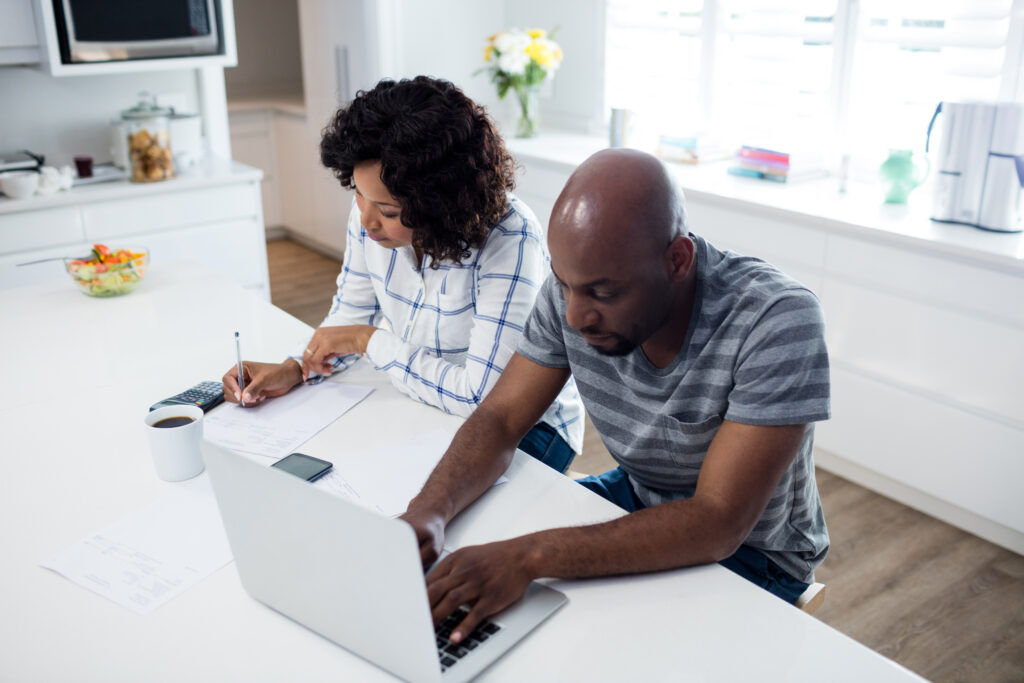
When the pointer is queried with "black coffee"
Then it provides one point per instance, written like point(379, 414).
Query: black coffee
point(173, 422)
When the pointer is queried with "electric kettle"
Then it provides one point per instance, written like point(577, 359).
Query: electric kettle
point(980, 165)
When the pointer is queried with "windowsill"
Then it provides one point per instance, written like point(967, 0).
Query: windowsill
point(859, 212)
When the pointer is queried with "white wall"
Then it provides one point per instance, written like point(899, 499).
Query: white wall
point(576, 97)
point(447, 40)
point(69, 116)
point(443, 40)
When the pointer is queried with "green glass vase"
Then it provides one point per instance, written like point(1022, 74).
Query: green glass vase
point(901, 173)
point(529, 111)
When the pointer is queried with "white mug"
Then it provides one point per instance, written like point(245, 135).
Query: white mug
point(175, 450)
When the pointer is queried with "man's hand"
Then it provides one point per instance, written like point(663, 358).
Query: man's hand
point(488, 578)
point(328, 342)
point(262, 380)
point(429, 528)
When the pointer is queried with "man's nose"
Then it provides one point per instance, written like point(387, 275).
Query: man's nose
point(578, 312)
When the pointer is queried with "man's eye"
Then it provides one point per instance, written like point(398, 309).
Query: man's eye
point(603, 296)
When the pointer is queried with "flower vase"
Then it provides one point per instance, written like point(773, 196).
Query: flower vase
point(529, 111)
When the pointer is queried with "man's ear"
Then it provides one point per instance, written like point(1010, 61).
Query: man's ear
point(680, 254)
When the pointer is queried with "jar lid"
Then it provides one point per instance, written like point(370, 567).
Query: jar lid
point(146, 109)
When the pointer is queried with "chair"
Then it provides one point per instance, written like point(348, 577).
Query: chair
point(812, 598)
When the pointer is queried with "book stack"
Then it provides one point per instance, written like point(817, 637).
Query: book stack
point(755, 162)
point(690, 150)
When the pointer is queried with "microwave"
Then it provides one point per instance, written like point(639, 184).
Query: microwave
point(90, 31)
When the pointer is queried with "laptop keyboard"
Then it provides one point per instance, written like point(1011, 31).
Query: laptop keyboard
point(451, 653)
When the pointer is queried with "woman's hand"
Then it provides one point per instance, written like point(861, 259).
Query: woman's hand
point(329, 342)
point(262, 381)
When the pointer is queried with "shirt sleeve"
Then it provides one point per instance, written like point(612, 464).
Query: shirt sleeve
point(543, 341)
point(355, 302)
point(782, 370)
point(509, 269)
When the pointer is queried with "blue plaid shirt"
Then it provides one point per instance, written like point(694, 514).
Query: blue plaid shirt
point(445, 335)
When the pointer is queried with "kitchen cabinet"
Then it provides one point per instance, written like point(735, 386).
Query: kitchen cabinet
point(924, 328)
point(211, 215)
point(253, 143)
point(19, 43)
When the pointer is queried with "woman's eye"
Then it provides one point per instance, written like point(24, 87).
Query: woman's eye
point(390, 215)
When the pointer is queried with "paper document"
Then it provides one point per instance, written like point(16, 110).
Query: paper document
point(280, 425)
point(385, 479)
point(153, 555)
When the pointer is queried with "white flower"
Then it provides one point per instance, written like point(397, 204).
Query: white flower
point(511, 42)
point(514, 63)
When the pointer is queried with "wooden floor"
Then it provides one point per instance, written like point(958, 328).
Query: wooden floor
point(942, 603)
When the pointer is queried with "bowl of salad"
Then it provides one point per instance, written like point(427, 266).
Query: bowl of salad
point(108, 272)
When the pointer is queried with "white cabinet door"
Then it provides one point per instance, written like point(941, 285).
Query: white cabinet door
point(252, 143)
point(233, 249)
point(18, 41)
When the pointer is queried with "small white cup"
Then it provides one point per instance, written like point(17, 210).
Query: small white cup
point(175, 450)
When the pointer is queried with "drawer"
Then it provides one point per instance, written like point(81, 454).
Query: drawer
point(25, 230)
point(235, 249)
point(11, 275)
point(967, 360)
point(539, 181)
point(172, 210)
point(925, 277)
point(780, 243)
point(956, 456)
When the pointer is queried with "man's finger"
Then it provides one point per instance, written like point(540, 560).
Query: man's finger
point(477, 614)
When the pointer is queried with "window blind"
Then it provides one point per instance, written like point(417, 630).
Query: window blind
point(840, 75)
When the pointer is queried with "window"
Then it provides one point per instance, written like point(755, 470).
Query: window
point(820, 76)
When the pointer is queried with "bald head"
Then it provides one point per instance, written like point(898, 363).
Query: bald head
point(620, 197)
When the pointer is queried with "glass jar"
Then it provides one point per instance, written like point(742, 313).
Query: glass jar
point(149, 142)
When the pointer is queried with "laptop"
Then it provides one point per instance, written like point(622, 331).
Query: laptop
point(350, 574)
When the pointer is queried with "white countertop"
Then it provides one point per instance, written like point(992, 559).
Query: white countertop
point(77, 465)
point(859, 212)
point(211, 172)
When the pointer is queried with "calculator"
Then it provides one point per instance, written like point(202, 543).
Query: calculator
point(206, 395)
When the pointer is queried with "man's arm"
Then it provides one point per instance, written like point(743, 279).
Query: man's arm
point(482, 449)
point(743, 466)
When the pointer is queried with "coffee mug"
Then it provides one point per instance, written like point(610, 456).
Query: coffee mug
point(175, 433)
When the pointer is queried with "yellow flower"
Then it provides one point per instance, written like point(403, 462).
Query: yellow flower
point(540, 53)
point(536, 33)
point(490, 38)
point(487, 53)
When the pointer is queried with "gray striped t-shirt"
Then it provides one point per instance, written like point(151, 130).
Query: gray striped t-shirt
point(754, 353)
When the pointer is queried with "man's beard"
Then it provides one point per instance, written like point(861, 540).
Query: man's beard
point(623, 346)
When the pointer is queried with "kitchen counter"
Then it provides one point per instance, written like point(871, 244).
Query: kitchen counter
point(211, 214)
point(859, 212)
point(209, 173)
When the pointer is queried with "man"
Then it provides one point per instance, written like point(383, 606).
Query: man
point(702, 370)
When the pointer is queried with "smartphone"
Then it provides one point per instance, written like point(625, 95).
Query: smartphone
point(303, 466)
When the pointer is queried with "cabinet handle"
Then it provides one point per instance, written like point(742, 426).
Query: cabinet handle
point(341, 74)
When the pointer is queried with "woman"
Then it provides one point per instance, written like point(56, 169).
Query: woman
point(441, 266)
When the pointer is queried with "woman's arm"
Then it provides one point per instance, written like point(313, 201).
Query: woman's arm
point(355, 302)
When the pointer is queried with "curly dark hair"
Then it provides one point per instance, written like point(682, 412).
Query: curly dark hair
point(440, 156)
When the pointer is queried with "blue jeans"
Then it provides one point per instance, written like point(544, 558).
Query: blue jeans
point(544, 444)
point(614, 485)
